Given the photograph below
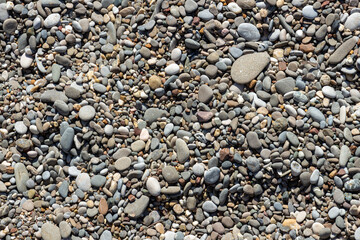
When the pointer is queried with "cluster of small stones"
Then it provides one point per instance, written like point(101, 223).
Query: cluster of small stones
point(179, 119)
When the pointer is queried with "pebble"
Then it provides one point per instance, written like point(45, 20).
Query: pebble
point(83, 182)
point(10, 25)
point(309, 12)
point(182, 150)
point(247, 67)
point(170, 174)
point(172, 69)
point(87, 113)
point(52, 20)
point(49, 231)
point(353, 21)
point(212, 175)
point(153, 186)
point(250, 33)
point(135, 209)
point(21, 176)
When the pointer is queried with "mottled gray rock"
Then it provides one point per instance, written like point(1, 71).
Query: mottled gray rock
point(249, 32)
point(50, 231)
point(135, 209)
point(21, 176)
point(248, 67)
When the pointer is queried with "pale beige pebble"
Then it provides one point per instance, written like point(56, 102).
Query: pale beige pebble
point(263, 12)
point(316, 227)
point(263, 111)
point(178, 209)
point(300, 216)
point(355, 131)
point(320, 94)
point(3, 187)
point(144, 135)
point(291, 223)
point(326, 102)
point(154, 82)
point(278, 53)
point(90, 204)
point(106, 18)
point(116, 176)
point(325, 80)
point(160, 228)
point(28, 205)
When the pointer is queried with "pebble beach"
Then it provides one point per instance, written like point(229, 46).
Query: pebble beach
point(179, 119)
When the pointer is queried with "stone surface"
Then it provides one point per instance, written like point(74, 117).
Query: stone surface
point(50, 231)
point(135, 209)
point(248, 67)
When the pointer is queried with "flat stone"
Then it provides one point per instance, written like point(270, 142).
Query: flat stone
point(345, 154)
point(334, 212)
point(154, 82)
point(192, 44)
point(353, 21)
point(212, 175)
point(135, 209)
point(122, 163)
point(338, 196)
point(52, 20)
point(67, 139)
point(209, 207)
point(357, 234)
point(329, 92)
point(182, 150)
point(309, 12)
point(98, 181)
point(106, 235)
point(170, 174)
point(50, 3)
point(53, 95)
point(10, 25)
point(56, 71)
point(138, 146)
point(316, 114)
point(21, 176)
point(64, 61)
point(103, 206)
point(83, 182)
point(190, 6)
point(87, 113)
point(253, 140)
point(50, 231)
point(249, 32)
point(198, 169)
point(65, 229)
point(205, 94)
point(64, 189)
point(253, 164)
point(152, 114)
point(172, 69)
point(28, 205)
point(249, 66)
point(285, 85)
point(342, 51)
point(153, 186)
point(20, 127)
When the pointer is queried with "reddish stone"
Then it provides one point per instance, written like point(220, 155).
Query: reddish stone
point(224, 154)
point(204, 116)
point(103, 206)
point(282, 66)
point(306, 48)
